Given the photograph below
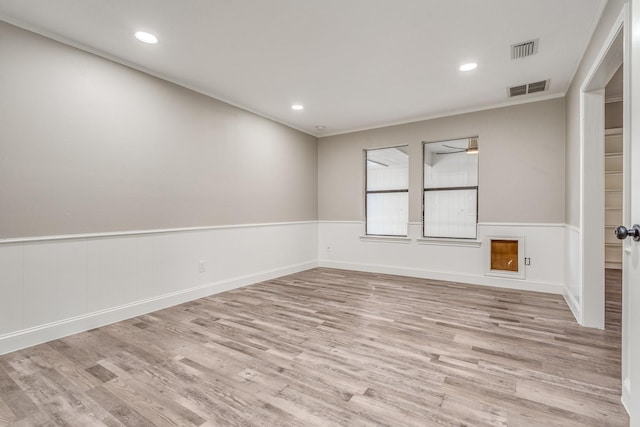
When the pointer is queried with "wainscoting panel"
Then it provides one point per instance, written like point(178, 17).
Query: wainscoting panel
point(40, 283)
point(73, 274)
point(11, 289)
point(342, 246)
point(573, 271)
point(56, 286)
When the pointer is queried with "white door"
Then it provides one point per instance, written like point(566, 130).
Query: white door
point(631, 309)
point(631, 295)
point(632, 336)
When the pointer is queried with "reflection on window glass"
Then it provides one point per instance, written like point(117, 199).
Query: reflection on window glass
point(451, 188)
point(387, 189)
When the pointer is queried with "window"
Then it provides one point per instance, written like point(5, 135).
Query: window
point(450, 203)
point(387, 191)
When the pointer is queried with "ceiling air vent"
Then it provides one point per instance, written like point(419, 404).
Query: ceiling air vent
point(537, 87)
point(520, 50)
point(517, 90)
point(534, 87)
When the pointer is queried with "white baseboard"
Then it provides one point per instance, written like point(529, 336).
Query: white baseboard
point(553, 288)
point(572, 303)
point(94, 282)
point(55, 330)
point(626, 395)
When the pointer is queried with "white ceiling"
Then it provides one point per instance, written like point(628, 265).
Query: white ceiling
point(354, 64)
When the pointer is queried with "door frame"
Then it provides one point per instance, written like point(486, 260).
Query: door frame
point(615, 51)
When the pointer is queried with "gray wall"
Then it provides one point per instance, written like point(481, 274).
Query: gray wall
point(572, 167)
point(521, 163)
point(88, 145)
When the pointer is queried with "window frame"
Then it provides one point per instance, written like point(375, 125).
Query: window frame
point(367, 192)
point(456, 188)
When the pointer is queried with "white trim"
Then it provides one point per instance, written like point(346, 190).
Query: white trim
point(480, 224)
point(66, 41)
point(596, 21)
point(572, 303)
point(451, 113)
point(472, 279)
point(613, 131)
point(272, 224)
point(609, 100)
point(143, 232)
point(75, 44)
point(43, 333)
point(592, 202)
point(21, 24)
point(602, 54)
point(340, 222)
point(449, 242)
point(626, 395)
point(520, 274)
point(520, 224)
point(386, 239)
point(592, 135)
point(571, 276)
point(572, 227)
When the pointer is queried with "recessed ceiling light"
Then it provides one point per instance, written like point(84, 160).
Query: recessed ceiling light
point(297, 107)
point(146, 37)
point(319, 127)
point(468, 67)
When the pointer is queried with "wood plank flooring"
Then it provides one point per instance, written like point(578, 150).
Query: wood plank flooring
point(328, 348)
point(613, 300)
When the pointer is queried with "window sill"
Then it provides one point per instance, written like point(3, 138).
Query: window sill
point(385, 239)
point(449, 242)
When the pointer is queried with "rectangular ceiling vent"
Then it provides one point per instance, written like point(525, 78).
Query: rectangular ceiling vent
point(520, 50)
point(537, 86)
point(518, 90)
point(534, 87)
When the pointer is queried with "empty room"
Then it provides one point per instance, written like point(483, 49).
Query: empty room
point(319, 213)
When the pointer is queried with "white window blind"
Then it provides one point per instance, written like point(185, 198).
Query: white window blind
point(451, 189)
point(387, 191)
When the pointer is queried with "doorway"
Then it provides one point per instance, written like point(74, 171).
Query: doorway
point(598, 188)
point(613, 199)
point(593, 194)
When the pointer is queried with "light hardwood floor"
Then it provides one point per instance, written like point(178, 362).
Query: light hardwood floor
point(328, 347)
